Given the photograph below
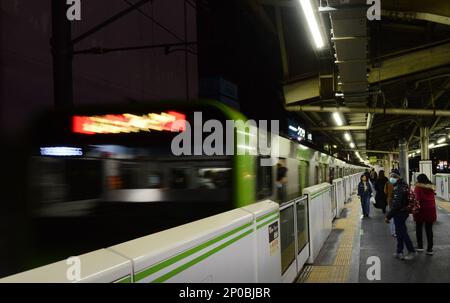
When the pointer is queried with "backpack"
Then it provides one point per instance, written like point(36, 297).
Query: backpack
point(413, 204)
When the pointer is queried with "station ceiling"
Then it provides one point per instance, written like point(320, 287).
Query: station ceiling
point(401, 61)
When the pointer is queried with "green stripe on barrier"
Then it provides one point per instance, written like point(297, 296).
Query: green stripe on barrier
point(191, 263)
point(155, 268)
point(268, 222)
point(266, 216)
point(125, 280)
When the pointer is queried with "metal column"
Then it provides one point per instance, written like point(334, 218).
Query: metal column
point(403, 160)
point(424, 143)
point(425, 164)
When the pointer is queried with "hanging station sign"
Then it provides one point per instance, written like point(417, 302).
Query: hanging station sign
point(129, 123)
point(298, 133)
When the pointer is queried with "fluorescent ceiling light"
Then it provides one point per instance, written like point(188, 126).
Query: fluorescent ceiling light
point(431, 145)
point(338, 119)
point(312, 22)
point(347, 136)
point(352, 145)
point(441, 140)
point(437, 146)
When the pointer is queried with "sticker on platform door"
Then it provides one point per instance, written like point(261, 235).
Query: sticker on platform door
point(274, 241)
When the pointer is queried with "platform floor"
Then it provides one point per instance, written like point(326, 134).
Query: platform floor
point(354, 239)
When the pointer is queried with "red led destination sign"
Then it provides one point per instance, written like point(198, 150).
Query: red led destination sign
point(129, 123)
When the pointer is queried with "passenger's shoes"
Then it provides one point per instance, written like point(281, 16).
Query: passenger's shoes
point(399, 256)
point(410, 255)
point(420, 250)
point(429, 252)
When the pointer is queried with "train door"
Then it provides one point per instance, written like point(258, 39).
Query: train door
point(303, 173)
point(316, 175)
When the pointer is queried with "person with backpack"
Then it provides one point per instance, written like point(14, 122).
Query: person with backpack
point(424, 191)
point(401, 200)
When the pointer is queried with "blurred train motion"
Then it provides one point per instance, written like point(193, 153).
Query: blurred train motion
point(102, 176)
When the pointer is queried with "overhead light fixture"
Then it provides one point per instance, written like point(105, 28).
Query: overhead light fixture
point(441, 140)
point(438, 146)
point(352, 145)
point(312, 22)
point(431, 145)
point(347, 136)
point(338, 119)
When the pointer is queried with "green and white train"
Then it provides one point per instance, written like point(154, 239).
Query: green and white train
point(109, 171)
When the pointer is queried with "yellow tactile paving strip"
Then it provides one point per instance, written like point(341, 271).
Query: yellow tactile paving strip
point(443, 204)
point(339, 271)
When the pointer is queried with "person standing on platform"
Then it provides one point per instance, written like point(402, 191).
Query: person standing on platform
point(281, 182)
point(388, 191)
point(399, 212)
point(380, 198)
point(424, 191)
point(364, 193)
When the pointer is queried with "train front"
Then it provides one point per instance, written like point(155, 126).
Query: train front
point(98, 177)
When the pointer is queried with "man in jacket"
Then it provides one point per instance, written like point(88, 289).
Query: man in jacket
point(399, 212)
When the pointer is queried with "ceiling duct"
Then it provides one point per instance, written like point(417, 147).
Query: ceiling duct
point(349, 38)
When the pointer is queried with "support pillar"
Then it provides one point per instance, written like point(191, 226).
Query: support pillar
point(425, 165)
point(403, 160)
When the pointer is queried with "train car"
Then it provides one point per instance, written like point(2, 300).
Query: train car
point(111, 173)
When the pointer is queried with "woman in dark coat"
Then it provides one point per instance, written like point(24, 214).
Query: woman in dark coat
point(424, 192)
point(380, 198)
point(364, 193)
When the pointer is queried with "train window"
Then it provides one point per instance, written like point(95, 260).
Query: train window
point(139, 175)
point(264, 181)
point(84, 179)
point(62, 180)
point(179, 178)
point(213, 178)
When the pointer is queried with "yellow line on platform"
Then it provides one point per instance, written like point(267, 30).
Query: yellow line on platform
point(443, 204)
point(339, 271)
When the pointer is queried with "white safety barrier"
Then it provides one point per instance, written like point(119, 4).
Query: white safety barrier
point(100, 266)
point(294, 237)
point(320, 217)
point(339, 195)
point(241, 245)
point(442, 186)
point(347, 189)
